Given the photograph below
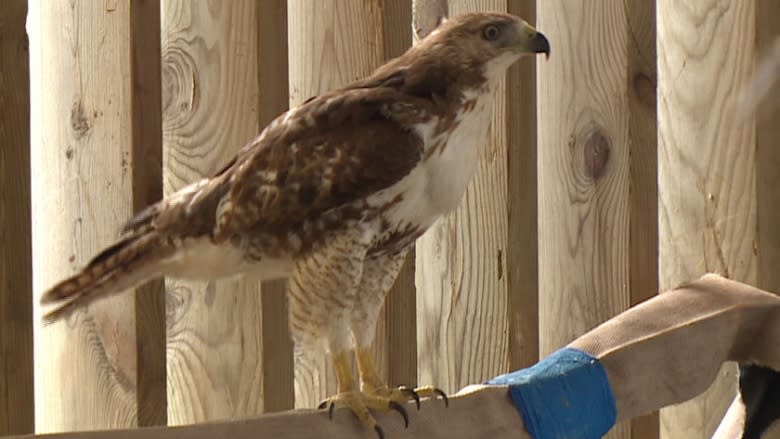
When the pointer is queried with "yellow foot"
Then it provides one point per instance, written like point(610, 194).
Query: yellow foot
point(359, 403)
point(405, 394)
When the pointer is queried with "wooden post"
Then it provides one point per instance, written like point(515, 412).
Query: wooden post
point(678, 339)
point(332, 43)
point(768, 153)
point(471, 309)
point(597, 178)
point(95, 144)
point(211, 109)
point(643, 169)
point(707, 166)
point(768, 159)
point(522, 249)
point(16, 357)
point(395, 347)
point(278, 366)
point(150, 310)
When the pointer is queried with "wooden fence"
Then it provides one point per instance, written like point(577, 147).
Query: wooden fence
point(619, 168)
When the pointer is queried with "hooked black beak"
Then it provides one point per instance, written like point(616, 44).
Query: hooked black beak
point(530, 40)
point(539, 44)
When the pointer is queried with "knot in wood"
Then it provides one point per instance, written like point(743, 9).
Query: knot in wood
point(78, 120)
point(596, 151)
point(179, 85)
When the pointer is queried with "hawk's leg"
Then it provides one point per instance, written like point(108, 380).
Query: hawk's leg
point(322, 295)
point(377, 278)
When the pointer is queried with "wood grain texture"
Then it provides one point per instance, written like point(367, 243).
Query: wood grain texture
point(768, 159)
point(332, 43)
point(426, 15)
point(679, 339)
point(278, 366)
point(597, 238)
point(462, 304)
point(643, 169)
point(707, 166)
point(522, 251)
point(16, 339)
point(395, 346)
point(152, 404)
point(487, 413)
point(85, 145)
point(210, 110)
point(768, 153)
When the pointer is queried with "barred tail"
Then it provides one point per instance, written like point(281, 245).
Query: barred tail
point(123, 265)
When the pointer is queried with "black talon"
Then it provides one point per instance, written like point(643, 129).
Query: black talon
point(379, 431)
point(322, 404)
point(330, 410)
point(410, 392)
point(400, 409)
point(443, 396)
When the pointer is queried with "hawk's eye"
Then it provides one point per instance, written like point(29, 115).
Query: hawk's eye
point(490, 32)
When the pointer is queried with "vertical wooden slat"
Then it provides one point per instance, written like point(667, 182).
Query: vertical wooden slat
point(395, 344)
point(210, 110)
point(332, 43)
point(522, 250)
point(278, 366)
point(707, 166)
point(396, 337)
point(596, 169)
point(768, 153)
point(147, 188)
point(462, 307)
point(86, 140)
point(16, 357)
point(642, 79)
point(643, 165)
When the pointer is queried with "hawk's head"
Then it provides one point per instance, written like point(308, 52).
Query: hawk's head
point(492, 41)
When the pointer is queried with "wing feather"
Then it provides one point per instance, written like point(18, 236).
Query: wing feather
point(331, 151)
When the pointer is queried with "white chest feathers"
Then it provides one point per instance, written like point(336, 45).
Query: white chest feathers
point(436, 186)
point(450, 168)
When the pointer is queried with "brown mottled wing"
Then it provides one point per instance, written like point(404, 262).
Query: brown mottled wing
point(188, 212)
point(333, 150)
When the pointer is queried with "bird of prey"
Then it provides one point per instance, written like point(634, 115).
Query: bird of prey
point(331, 195)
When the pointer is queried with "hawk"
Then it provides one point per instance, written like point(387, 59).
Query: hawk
point(331, 195)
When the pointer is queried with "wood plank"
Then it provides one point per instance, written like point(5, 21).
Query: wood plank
point(522, 249)
point(278, 366)
point(210, 110)
point(152, 403)
point(597, 169)
point(16, 339)
point(680, 338)
point(707, 166)
point(395, 346)
point(768, 150)
point(462, 308)
point(81, 66)
point(643, 169)
point(488, 413)
point(765, 87)
point(331, 43)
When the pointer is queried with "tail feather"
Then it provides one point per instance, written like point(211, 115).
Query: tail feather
point(123, 265)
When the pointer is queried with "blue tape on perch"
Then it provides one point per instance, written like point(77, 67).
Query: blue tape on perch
point(566, 395)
